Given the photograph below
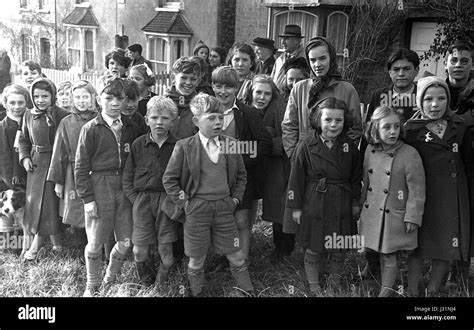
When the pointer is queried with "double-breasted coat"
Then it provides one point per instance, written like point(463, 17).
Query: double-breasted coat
point(36, 142)
point(61, 170)
point(445, 233)
point(324, 184)
point(393, 194)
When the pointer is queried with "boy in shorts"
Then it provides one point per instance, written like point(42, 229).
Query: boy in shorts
point(207, 184)
point(142, 183)
point(103, 147)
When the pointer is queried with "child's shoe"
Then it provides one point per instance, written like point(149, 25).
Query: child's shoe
point(145, 273)
point(163, 274)
point(91, 291)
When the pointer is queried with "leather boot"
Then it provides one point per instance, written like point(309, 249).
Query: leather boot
point(372, 267)
point(145, 273)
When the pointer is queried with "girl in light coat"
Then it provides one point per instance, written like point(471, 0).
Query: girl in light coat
point(393, 194)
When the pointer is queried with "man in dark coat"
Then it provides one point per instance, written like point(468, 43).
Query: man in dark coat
point(135, 53)
point(264, 50)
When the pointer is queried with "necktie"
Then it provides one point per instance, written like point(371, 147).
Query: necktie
point(213, 150)
point(117, 129)
point(328, 143)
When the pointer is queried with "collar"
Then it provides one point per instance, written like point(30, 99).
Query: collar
point(395, 93)
point(204, 139)
point(392, 150)
point(149, 139)
point(18, 120)
point(109, 120)
point(234, 107)
point(296, 52)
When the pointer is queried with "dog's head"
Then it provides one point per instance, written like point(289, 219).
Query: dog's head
point(11, 201)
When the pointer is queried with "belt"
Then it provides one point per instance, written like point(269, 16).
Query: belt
point(108, 172)
point(42, 149)
point(323, 182)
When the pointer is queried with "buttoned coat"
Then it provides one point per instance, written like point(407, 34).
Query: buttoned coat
point(61, 170)
point(296, 126)
point(393, 194)
point(182, 175)
point(445, 233)
point(326, 208)
point(42, 205)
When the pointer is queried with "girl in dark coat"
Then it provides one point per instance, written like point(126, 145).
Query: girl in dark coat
point(145, 78)
point(275, 171)
point(324, 190)
point(35, 149)
point(444, 145)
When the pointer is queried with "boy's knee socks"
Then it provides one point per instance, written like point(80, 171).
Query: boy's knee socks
point(115, 265)
point(242, 276)
point(311, 267)
point(93, 268)
point(196, 280)
point(163, 273)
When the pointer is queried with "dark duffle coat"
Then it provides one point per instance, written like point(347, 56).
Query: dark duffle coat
point(12, 173)
point(445, 233)
point(61, 170)
point(326, 208)
point(393, 194)
point(36, 142)
point(276, 167)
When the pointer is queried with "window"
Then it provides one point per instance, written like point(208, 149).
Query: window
point(23, 3)
point(158, 54)
point(89, 45)
point(45, 51)
point(41, 4)
point(178, 49)
point(307, 21)
point(74, 47)
point(27, 49)
point(337, 33)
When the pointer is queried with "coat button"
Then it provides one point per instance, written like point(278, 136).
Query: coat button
point(387, 211)
point(452, 161)
point(369, 189)
point(371, 171)
point(453, 175)
point(366, 206)
point(381, 209)
point(391, 155)
point(387, 172)
point(385, 191)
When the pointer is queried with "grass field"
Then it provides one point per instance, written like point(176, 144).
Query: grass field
point(63, 275)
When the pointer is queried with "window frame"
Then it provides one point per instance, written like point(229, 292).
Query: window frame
point(27, 48)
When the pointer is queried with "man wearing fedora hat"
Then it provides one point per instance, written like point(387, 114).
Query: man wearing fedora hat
point(291, 43)
point(264, 50)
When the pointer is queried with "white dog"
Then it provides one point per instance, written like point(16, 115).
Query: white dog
point(12, 205)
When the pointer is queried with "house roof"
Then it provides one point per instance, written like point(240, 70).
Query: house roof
point(168, 22)
point(81, 16)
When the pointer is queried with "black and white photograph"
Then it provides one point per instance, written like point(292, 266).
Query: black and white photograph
point(298, 160)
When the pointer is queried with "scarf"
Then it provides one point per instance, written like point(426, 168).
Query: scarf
point(318, 85)
point(48, 114)
point(179, 99)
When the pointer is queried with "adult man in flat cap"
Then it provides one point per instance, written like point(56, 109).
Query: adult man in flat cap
point(291, 43)
point(264, 50)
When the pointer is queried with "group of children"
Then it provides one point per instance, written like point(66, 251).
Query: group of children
point(152, 172)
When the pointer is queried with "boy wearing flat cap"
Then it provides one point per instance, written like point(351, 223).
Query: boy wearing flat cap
point(264, 49)
point(291, 43)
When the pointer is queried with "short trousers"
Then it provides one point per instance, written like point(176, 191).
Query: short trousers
point(150, 223)
point(114, 211)
point(210, 223)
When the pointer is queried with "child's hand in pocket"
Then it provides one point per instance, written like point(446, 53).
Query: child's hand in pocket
point(91, 209)
point(355, 211)
point(410, 226)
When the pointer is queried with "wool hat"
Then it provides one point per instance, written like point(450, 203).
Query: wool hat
point(424, 83)
point(292, 30)
point(135, 48)
point(264, 42)
point(200, 44)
